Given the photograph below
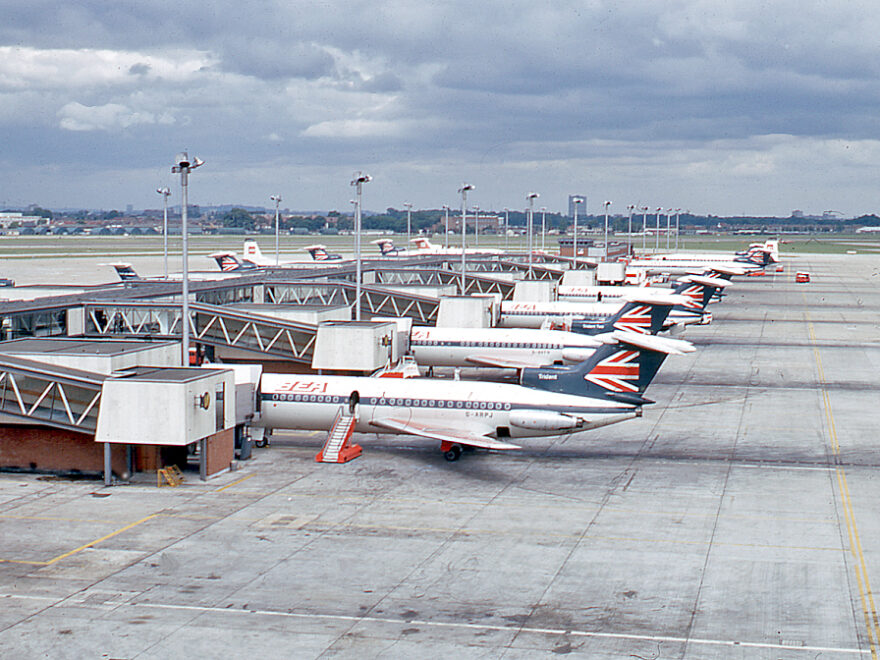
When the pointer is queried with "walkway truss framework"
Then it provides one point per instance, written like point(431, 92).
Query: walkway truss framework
point(39, 393)
point(209, 324)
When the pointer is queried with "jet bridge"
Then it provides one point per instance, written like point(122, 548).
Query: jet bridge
point(375, 301)
point(59, 397)
point(474, 284)
point(212, 325)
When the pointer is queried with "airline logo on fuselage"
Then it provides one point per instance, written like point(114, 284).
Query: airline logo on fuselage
point(303, 387)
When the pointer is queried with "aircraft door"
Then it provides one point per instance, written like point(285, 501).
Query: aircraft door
point(353, 400)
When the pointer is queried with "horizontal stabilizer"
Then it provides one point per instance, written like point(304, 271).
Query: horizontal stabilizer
point(456, 436)
point(649, 296)
point(716, 282)
point(654, 343)
point(728, 270)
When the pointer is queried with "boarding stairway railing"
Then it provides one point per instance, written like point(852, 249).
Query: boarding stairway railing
point(338, 448)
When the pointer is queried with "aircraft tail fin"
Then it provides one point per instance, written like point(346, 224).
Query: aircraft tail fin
point(620, 371)
point(228, 262)
point(645, 317)
point(386, 247)
point(317, 252)
point(252, 251)
point(699, 290)
point(126, 272)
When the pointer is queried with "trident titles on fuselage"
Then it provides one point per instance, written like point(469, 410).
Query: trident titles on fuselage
point(618, 373)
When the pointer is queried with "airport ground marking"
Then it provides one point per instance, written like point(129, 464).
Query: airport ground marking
point(235, 483)
point(502, 628)
point(866, 595)
point(85, 546)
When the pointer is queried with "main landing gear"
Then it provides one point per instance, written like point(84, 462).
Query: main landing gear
point(451, 451)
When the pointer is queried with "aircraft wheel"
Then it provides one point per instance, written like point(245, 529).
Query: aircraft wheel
point(453, 454)
point(261, 443)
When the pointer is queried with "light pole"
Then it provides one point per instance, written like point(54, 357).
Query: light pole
point(607, 204)
point(358, 182)
point(165, 192)
point(629, 230)
point(668, 226)
point(677, 216)
point(277, 200)
point(465, 187)
point(476, 226)
point(506, 229)
point(577, 201)
point(657, 233)
point(543, 225)
point(531, 197)
point(183, 167)
point(446, 233)
point(408, 208)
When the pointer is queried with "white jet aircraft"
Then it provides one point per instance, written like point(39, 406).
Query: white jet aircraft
point(549, 400)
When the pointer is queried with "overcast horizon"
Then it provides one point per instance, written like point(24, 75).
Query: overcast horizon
point(751, 109)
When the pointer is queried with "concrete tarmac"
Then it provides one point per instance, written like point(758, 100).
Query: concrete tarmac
point(736, 519)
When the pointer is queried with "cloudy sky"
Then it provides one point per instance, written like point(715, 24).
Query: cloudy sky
point(752, 106)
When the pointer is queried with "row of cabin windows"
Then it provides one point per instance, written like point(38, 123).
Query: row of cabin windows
point(395, 401)
point(485, 344)
point(537, 313)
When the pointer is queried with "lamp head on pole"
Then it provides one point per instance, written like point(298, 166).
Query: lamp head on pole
point(163, 191)
point(276, 199)
point(360, 178)
point(465, 187)
point(185, 164)
point(607, 204)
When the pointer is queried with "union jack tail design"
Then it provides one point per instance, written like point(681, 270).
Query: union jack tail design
point(227, 263)
point(617, 373)
point(695, 292)
point(637, 319)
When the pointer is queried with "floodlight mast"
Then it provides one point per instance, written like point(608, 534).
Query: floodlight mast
point(358, 182)
point(629, 230)
point(446, 233)
point(657, 236)
point(476, 226)
point(465, 187)
point(408, 208)
point(530, 198)
point(607, 204)
point(668, 226)
point(183, 167)
point(543, 226)
point(165, 192)
point(506, 230)
point(277, 200)
point(576, 201)
point(677, 217)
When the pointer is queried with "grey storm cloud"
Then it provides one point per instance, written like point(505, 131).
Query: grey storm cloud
point(499, 90)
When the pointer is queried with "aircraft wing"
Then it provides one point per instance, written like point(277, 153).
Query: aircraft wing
point(442, 434)
point(501, 363)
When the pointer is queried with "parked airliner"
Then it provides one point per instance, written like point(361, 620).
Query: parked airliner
point(561, 400)
point(517, 348)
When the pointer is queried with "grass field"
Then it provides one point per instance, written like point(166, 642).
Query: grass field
point(24, 247)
